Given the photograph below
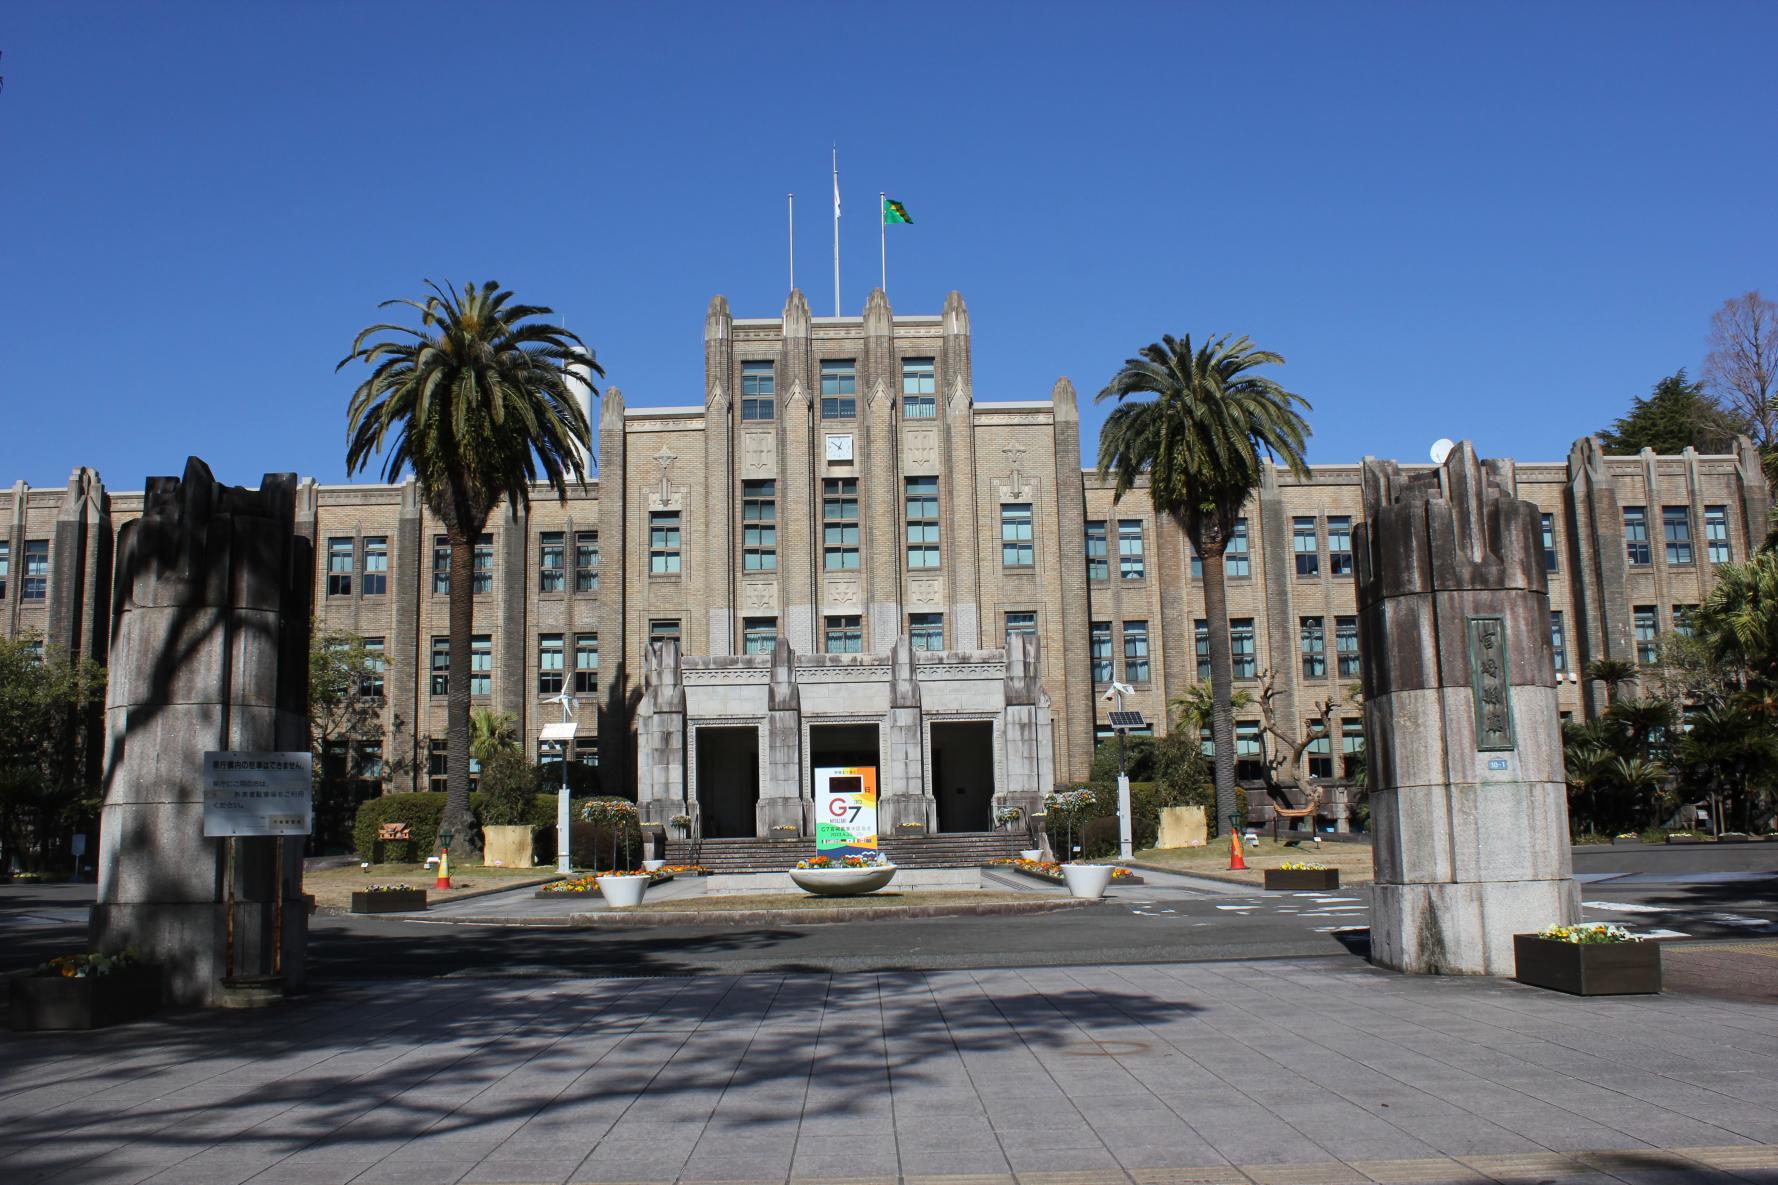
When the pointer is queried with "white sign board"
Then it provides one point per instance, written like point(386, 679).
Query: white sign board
point(563, 731)
point(257, 794)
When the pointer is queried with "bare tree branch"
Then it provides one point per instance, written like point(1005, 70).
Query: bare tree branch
point(1741, 367)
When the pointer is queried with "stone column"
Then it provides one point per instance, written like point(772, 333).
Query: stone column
point(661, 736)
point(799, 491)
point(902, 796)
point(410, 573)
point(717, 527)
point(617, 702)
point(1076, 682)
point(1599, 580)
point(1464, 747)
point(781, 798)
point(1030, 754)
point(957, 486)
point(80, 567)
point(210, 652)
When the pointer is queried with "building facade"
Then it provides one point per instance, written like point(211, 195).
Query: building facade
point(838, 485)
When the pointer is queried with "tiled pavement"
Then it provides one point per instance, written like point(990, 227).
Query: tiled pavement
point(1274, 1073)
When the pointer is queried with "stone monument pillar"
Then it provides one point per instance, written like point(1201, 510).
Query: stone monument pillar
point(660, 735)
point(782, 798)
point(209, 651)
point(1030, 749)
point(903, 796)
point(1463, 742)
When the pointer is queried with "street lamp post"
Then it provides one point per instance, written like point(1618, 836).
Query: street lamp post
point(1120, 721)
point(563, 733)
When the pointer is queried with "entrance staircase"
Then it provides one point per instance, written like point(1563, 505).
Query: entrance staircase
point(964, 849)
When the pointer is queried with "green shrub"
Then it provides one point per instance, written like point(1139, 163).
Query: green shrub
point(421, 812)
point(508, 790)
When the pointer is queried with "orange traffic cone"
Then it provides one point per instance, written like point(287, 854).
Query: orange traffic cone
point(444, 869)
point(1236, 863)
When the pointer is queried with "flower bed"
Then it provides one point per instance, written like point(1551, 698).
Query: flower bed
point(1050, 870)
point(587, 886)
point(85, 991)
point(818, 863)
point(1588, 960)
point(388, 899)
point(1301, 875)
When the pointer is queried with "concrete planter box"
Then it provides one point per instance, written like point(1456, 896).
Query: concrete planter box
point(842, 882)
point(1300, 879)
point(1627, 843)
point(390, 901)
point(1087, 881)
point(41, 1002)
point(625, 890)
point(1689, 839)
point(1588, 969)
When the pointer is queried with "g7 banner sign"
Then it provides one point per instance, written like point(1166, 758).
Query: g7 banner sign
point(845, 810)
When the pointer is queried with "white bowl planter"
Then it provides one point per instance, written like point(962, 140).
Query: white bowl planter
point(1031, 853)
point(1087, 881)
point(623, 890)
point(653, 865)
point(842, 882)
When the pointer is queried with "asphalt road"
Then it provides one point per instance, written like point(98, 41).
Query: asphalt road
point(1679, 893)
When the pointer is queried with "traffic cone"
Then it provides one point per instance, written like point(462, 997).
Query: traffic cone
point(444, 869)
point(1236, 863)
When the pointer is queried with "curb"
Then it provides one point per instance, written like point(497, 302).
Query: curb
point(469, 895)
point(1058, 882)
point(1221, 876)
point(808, 917)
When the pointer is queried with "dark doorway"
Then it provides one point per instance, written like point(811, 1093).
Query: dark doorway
point(842, 745)
point(963, 775)
point(728, 782)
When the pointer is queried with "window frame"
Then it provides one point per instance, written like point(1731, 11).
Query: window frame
point(586, 574)
point(841, 402)
point(923, 629)
point(759, 525)
point(1339, 558)
point(841, 535)
point(919, 389)
point(923, 534)
point(847, 629)
point(1132, 562)
point(1308, 560)
point(342, 564)
point(1636, 541)
point(1676, 536)
point(552, 679)
point(1312, 645)
point(1098, 549)
point(1018, 540)
point(1137, 649)
point(759, 400)
point(666, 542)
point(1099, 639)
point(586, 678)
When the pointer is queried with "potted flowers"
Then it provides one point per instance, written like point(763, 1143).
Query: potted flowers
point(619, 819)
point(842, 876)
point(1588, 960)
point(388, 899)
point(681, 825)
point(1007, 816)
point(85, 991)
point(1301, 874)
point(1086, 881)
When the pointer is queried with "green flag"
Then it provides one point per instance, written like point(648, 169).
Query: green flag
point(894, 211)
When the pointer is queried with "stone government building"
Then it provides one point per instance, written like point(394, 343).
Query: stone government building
point(952, 590)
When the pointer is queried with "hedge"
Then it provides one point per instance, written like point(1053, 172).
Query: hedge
point(423, 812)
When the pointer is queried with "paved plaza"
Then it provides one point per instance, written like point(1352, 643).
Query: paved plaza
point(1278, 1072)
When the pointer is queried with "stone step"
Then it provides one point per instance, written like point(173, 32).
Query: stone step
point(957, 850)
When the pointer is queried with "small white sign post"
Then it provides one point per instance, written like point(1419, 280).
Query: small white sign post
point(1122, 722)
point(563, 734)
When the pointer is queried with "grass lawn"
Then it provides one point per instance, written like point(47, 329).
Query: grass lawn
point(734, 901)
point(333, 887)
point(1352, 859)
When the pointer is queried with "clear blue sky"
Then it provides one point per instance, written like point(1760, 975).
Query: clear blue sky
point(1499, 221)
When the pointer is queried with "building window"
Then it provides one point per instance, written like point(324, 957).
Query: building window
point(1549, 542)
point(1320, 750)
point(1098, 552)
point(922, 506)
point(1241, 644)
point(1201, 646)
point(839, 390)
point(1020, 623)
point(1558, 642)
point(1339, 545)
point(758, 634)
point(339, 567)
point(586, 751)
point(1100, 650)
point(35, 585)
point(1716, 534)
point(441, 666)
point(1351, 745)
point(370, 682)
point(1016, 547)
point(586, 663)
point(662, 629)
point(1306, 542)
point(1636, 534)
point(437, 757)
point(663, 543)
point(367, 762)
point(844, 635)
point(1236, 558)
point(1132, 564)
point(1676, 530)
point(549, 664)
point(758, 391)
point(481, 664)
point(552, 575)
point(5, 566)
point(586, 561)
point(839, 524)
point(481, 581)
point(376, 566)
point(926, 631)
point(1136, 651)
point(1346, 646)
point(918, 401)
point(1645, 627)
point(1314, 647)
point(1248, 751)
point(759, 526)
point(441, 566)
point(1197, 562)
point(1682, 619)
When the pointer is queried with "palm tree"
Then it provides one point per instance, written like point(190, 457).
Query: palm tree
point(1739, 619)
point(476, 401)
point(1200, 442)
point(1612, 672)
point(491, 733)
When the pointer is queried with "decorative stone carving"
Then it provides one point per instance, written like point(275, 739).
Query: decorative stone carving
point(760, 595)
point(920, 452)
point(759, 455)
point(925, 591)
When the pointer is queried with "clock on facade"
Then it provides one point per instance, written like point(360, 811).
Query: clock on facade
point(839, 447)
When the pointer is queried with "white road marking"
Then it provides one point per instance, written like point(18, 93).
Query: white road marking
point(1621, 907)
point(1660, 933)
point(1735, 919)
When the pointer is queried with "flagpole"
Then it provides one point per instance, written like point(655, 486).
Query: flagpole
point(836, 230)
point(883, 234)
point(790, 202)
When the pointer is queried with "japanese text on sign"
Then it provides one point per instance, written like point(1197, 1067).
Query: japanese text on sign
point(257, 794)
point(1490, 683)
